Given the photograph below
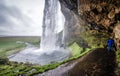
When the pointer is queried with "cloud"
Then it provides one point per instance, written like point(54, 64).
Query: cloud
point(14, 22)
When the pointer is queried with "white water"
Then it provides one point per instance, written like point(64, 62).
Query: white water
point(30, 55)
point(53, 23)
point(51, 41)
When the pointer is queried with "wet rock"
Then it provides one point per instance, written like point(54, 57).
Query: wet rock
point(74, 25)
point(31, 71)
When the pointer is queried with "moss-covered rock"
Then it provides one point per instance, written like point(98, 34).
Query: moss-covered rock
point(75, 49)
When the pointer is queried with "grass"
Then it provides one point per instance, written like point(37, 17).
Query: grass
point(13, 69)
point(10, 49)
point(9, 46)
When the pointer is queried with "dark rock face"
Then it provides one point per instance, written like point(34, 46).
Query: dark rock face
point(74, 25)
point(70, 4)
point(102, 12)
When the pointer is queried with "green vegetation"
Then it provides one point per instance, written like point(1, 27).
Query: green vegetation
point(75, 49)
point(13, 69)
point(118, 61)
point(3, 60)
point(10, 49)
point(7, 48)
point(118, 56)
point(95, 39)
point(9, 45)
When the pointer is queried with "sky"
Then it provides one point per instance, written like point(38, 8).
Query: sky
point(21, 17)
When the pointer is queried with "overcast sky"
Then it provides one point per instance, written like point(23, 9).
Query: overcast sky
point(21, 17)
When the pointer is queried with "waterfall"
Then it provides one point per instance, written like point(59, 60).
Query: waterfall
point(53, 24)
point(51, 41)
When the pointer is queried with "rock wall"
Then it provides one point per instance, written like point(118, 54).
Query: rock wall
point(74, 25)
point(101, 12)
point(117, 34)
point(101, 15)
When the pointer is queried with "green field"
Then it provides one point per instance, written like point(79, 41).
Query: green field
point(9, 45)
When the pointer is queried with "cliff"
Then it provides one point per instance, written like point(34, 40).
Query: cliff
point(99, 15)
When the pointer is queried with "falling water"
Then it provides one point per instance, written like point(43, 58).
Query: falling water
point(51, 41)
point(53, 23)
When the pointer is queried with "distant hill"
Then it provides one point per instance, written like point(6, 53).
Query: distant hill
point(18, 36)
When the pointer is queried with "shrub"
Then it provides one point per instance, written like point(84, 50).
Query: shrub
point(3, 60)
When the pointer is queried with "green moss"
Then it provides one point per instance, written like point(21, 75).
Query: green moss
point(93, 37)
point(118, 57)
point(75, 49)
point(13, 69)
point(118, 62)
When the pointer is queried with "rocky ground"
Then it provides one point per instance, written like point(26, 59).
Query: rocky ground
point(96, 63)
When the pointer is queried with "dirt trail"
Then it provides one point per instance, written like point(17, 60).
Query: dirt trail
point(96, 63)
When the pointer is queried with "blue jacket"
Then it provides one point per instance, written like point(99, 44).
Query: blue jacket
point(110, 43)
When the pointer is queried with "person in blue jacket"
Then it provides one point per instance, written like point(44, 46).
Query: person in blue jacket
point(111, 45)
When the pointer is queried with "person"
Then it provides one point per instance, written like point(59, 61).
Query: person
point(111, 45)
